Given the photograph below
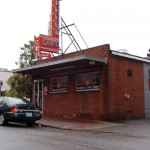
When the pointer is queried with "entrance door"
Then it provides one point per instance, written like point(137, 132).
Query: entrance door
point(38, 93)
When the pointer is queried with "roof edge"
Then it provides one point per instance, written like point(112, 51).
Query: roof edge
point(71, 59)
point(130, 56)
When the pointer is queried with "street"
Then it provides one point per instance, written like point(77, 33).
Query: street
point(129, 135)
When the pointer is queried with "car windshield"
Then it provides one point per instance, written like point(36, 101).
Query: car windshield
point(13, 101)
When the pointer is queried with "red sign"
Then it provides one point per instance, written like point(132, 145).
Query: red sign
point(42, 54)
point(45, 43)
point(48, 44)
point(55, 19)
point(37, 50)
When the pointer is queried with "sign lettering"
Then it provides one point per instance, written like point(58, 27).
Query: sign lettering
point(55, 19)
point(46, 43)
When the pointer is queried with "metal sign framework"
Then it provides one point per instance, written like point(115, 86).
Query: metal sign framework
point(65, 30)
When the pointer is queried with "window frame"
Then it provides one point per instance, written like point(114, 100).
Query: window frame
point(58, 90)
point(88, 82)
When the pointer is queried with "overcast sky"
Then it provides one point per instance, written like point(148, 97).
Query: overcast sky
point(124, 24)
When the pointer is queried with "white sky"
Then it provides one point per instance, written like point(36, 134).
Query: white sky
point(124, 24)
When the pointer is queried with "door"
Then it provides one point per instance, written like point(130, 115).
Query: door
point(38, 94)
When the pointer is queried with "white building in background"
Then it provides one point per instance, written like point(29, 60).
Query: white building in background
point(4, 76)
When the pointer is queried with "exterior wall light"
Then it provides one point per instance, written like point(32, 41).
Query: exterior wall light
point(127, 96)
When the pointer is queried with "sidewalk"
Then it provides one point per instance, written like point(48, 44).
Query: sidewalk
point(66, 124)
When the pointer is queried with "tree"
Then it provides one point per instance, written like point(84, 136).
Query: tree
point(20, 85)
point(27, 56)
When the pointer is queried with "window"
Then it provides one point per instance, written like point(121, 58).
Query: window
point(58, 84)
point(129, 72)
point(87, 81)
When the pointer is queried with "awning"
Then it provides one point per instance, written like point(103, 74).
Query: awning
point(83, 61)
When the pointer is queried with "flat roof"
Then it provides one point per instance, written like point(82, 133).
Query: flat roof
point(63, 64)
point(130, 56)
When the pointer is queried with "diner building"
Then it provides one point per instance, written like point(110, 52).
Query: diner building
point(96, 83)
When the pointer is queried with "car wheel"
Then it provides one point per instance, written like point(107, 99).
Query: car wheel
point(2, 120)
point(30, 124)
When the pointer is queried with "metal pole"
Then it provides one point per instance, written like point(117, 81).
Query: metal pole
point(71, 35)
point(81, 35)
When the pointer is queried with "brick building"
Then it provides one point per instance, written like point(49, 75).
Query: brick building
point(96, 83)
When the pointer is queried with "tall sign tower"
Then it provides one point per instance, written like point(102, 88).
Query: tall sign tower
point(44, 45)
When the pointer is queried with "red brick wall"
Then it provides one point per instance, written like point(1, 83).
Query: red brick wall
point(109, 102)
point(77, 104)
point(119, 84)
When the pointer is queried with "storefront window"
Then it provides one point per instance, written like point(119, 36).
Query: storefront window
point(87, 81)
point(59, 84)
